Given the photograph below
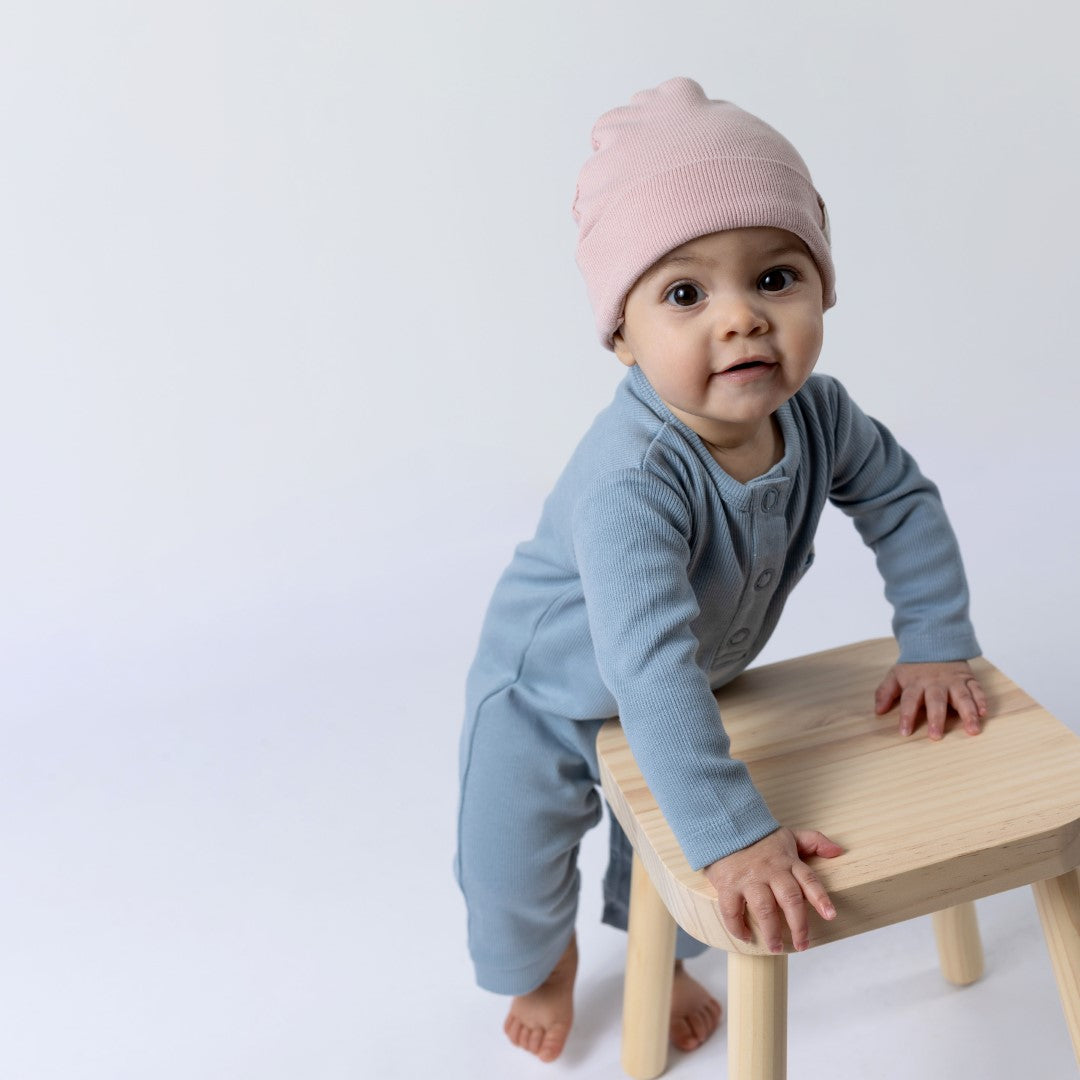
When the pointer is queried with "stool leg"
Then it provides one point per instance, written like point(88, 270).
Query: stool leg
point(757, 1017)
point(650, 968)
point(958, 944)
point(1058, 901)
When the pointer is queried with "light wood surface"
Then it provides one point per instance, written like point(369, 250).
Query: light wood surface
point(1058, 901)
point(757, 1017)
point(959, 945)
point(650, 966)
point(925, 825)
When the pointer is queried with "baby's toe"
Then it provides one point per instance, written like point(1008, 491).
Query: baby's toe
point(551, 1046)
point(683, 1034)
point(713, 1012)
point(700, 1023)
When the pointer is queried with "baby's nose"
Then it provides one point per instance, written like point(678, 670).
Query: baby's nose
point(739, 315)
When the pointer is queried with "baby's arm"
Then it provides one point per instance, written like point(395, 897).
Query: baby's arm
point(631, 534)
point(936, 686)
point(769, 881)
point(632, 549)
point(898, 512)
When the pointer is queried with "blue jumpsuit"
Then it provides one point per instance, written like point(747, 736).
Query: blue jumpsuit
point(653, 579)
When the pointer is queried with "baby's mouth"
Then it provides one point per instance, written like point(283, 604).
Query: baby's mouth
point(749, 364)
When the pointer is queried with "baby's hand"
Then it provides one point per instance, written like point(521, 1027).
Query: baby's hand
point(769, 880)
point(936, 686)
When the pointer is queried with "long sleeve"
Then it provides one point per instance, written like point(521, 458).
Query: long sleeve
point(898, 513)
point(632, 543)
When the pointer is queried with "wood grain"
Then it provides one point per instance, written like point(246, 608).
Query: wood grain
point(650, 970)
point(959, 945)
point(757, 1002)
point(1058, 901)
point(925, 825)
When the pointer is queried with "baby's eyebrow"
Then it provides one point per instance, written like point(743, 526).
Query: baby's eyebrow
point(678, 260)
point(772, 252)
point(785, 249)
point(669, 262)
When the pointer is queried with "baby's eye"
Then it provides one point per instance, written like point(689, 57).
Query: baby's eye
point(777, 279)
point(684, 294)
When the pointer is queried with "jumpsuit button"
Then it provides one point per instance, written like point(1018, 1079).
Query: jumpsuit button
point(769, 501)
point(763, 579)
point(739, 636)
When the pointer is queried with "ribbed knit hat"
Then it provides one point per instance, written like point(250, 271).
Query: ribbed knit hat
point(674, 165)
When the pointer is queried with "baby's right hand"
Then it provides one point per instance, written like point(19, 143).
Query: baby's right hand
point(770, 881)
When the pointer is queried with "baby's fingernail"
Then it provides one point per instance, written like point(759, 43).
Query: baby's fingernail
point(830, 911)
point(776, 947)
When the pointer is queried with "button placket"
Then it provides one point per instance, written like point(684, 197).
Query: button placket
point(769, 531)
point(770, 537)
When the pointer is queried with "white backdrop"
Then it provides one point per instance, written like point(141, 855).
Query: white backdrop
point(293, 348)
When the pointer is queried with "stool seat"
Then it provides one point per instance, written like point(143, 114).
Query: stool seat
point(926, 826)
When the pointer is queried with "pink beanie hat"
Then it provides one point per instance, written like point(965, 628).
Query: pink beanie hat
point(674, 165)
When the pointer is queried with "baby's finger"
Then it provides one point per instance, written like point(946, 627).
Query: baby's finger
point(886, 693)
point(937, 707)
point(761, 904)
point(980, 698)
point(814, 890)
point(789, 895)
point(811, 842)
point(910, 700)
point(964, 703)
point(733, 915)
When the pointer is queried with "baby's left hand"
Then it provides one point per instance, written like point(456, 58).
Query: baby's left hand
point(936, 686)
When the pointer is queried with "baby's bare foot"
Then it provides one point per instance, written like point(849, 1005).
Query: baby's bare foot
point(540, 1021)
point(695, 1013)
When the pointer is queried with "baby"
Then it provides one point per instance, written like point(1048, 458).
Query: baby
point(667, 549)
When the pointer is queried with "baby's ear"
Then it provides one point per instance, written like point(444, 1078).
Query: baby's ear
point(622, 351)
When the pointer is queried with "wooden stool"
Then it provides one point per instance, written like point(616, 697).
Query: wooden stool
point(926, 827)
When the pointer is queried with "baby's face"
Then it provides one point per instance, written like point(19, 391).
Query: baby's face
point(726, 328)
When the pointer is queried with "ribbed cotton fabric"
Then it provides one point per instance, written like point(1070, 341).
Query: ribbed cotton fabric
point(673, 165)
point(654, 578)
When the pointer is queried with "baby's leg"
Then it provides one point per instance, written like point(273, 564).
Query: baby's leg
point(540, 1020)
point(528, 795)
point(527, 798)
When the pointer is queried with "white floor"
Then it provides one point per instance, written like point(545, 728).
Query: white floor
point(227, 855)
point(874, 1007)
point(248, 874)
